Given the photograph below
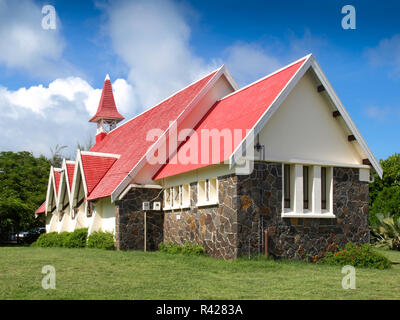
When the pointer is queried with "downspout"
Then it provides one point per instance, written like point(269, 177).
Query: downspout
point(145, 231)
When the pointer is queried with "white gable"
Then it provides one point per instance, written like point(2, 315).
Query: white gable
point(303, 128)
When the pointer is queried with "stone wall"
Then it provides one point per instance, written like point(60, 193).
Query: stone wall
point(214, 226)
point(248, 205)
point(129, 231)
point(260, 206)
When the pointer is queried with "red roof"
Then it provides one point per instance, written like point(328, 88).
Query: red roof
point(41, 209)
point(95, 167)
point(129, 139)
point(70, 174)
point(57, 177)
point(107, 108)
point(240, 110)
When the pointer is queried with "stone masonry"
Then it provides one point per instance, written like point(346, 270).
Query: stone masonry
point(214, 226)
point(130, 220)
point(248, 205)
point(260, 206)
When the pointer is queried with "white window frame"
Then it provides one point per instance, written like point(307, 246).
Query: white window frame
point(202, 198)
point(314, 188)
point(185, 200)
point(179, 197)
point(168, 194)
point(176, 197)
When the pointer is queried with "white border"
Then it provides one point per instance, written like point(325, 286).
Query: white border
point(309, 62)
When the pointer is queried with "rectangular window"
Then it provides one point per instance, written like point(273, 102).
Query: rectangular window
point(323, 188)
point(201, 192)
point(212, 185)
point(208, 191)
point(305, 187)
point(186, 195)
point(286, 186)
point(167, 198)
point(176, 197)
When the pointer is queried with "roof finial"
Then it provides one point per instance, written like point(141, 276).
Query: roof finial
point(107, 77)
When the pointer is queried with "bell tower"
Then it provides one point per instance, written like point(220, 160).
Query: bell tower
point(107, 115)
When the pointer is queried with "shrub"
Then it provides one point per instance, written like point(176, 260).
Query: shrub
point(47, 240)
point(187, 249)
point(357, 256)
point(62, 238)
point(101, 240)
point(387, 230)
point(76, 239)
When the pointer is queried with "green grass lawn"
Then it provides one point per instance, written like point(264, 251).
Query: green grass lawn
point(97, 274)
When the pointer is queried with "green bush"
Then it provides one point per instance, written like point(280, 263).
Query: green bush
point(62, 239)
point(187, 249)
point(357, 256)
point(47, 240)
point(387, 232)
point(101, 240)
point(76, 239)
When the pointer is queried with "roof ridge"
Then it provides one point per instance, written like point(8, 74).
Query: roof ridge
point(100, 154)
point(169, 97)
point(265, 77)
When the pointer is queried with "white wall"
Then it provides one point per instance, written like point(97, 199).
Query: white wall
point(196, 175)
point(303, 128)
point(103, 218)
point(108, 215)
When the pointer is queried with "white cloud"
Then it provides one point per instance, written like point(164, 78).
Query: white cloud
point(39, 117)
point(386, 53)
point(249, 62)
point(152, 38)
point(25, 45)
point(378, 113)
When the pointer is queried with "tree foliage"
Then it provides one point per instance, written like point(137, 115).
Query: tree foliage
point(384, 195)
point(23, 184)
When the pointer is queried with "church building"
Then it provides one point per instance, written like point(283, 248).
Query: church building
point(277, 166)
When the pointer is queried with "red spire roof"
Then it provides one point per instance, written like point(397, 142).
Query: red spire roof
point(107, 108)
point(129, 139)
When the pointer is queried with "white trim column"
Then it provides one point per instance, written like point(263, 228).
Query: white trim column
point(298, 189)
point(316, 189)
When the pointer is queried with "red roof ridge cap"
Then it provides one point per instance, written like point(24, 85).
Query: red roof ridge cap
point(100, 154)
point(305, 58)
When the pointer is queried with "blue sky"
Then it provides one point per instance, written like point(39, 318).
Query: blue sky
point(153, 48)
